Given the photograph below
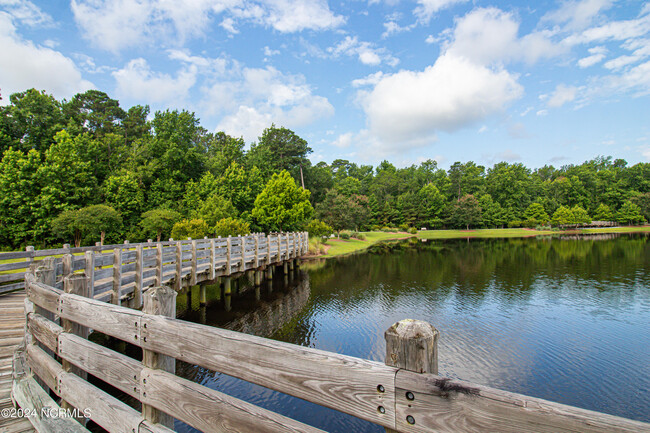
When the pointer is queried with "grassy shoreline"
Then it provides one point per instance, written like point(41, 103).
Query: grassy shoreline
point(340, 247)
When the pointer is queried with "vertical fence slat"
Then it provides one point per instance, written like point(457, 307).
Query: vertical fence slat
point(178, 284)
point(228, 255)
point(194, 264)
point(116, 296)
point(139, 265)
point(159, 264)
point(90, 272)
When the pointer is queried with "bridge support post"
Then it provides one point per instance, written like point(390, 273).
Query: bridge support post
point(203, 298)
point(411, 345)
point(227, 293)
point(160, 301)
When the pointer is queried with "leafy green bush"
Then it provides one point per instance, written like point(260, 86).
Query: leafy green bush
point(514, 223)
point(316, 246)
point(194, 228)
point(232, 227)
point(344, 235)
point(413, 230)
point(318, 229)
point(403, 227)
point(357, 235)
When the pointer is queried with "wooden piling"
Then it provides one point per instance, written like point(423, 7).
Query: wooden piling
point(410, 345)
point(161, 301)
point(227, 293)
point(117, 276)
point(203, 298)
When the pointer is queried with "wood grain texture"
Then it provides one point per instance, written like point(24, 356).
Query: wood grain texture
point(209, 410)
point(44, 330)
point(119, 370)
point(341, 382)
point(446, 405)
point(116, 321)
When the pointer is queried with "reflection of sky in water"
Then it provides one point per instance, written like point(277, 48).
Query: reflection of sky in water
point(554, 329)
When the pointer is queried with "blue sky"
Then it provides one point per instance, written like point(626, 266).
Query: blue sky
point(546, 82)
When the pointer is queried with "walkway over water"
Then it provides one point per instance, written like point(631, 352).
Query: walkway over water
point(403, 394)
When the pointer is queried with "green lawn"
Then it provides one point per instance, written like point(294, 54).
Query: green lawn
point(339, 247)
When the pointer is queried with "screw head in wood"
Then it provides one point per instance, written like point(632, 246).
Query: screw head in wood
point(380, 388)
point(410, 419)
point(381, 409)
point(409, 395)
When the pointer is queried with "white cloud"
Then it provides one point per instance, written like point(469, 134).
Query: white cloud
point(268, 52)
point(392, 28)
point(26, 12)
point(369, 80)
point(136, 81)
point(597, 55)
point(562, 95)
point(255, 97)
point(427, 8)
point(576, 15)
point(453, 93)
point(117, 24)
point(621, 62)
point(365, 51)
point(615, 30)
point(509, 155)
point(344, 140)
point(488, 35)
point(24, 65)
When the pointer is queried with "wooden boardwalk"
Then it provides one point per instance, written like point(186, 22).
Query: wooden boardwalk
point(12, 323)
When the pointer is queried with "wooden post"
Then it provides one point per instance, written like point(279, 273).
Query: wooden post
point(159, 264)
point(242, 243)
point(287, 254)
point(194, 264)
point(76, 284)
point(257, 252)
point(139, 265)
point(268, 250)
point(179, 266)
point(30, 259)
point(45, 273)
point(90, 271)
point(213, 259)
point(227, 293)
point(117, 276)
point(203, 298)
point(228, 251)
point(66, 261)
point(161, 301)
point(411, 345)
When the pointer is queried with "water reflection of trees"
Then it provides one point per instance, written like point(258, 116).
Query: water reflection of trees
point(470, 269)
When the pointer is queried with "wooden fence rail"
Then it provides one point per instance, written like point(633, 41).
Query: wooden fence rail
point(404, 394)
point(120, 272)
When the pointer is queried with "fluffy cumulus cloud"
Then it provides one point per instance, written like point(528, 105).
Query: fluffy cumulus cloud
point(576, 15)
point(452, 93)
point(253, 98)
point(24, 65)
point(117, 24)
point(137, 82)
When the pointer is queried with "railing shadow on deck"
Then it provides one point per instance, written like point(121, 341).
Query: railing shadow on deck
point(404, 393)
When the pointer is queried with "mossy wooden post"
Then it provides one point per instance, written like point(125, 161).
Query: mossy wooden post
point(410, 345)
point(203, 298)
point(90, 271)
point(227, 293)
point(76, 284)
point(117, 276)
point(160, 301)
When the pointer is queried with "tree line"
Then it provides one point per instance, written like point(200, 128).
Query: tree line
point(88, 170)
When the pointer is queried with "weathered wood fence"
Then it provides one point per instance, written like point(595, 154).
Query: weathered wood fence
point(403, 394)
point(123, 271)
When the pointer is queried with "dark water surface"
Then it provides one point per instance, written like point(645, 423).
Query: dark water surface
point(566, 320)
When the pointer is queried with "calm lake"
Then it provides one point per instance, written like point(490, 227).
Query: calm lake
point(566, 320)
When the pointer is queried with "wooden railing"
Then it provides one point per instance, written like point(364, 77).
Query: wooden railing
point(403, 394)
point(123, 271)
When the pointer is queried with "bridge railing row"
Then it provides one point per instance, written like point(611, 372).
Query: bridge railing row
point(403, 394)
point(121, 271)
